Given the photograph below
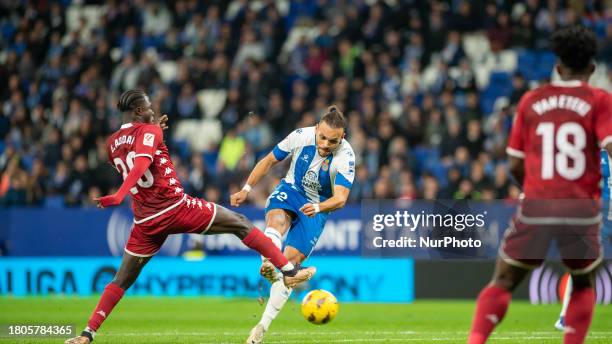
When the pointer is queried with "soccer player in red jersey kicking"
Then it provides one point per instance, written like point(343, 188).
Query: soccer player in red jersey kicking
point(162, 208)
point(553, 151)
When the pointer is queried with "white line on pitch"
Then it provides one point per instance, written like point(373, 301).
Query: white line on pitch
point(301, 333)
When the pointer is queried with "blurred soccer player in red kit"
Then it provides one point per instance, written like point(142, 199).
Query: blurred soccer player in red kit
point(554, 152)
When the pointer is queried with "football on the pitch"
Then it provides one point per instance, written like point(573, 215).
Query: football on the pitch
point(319, 306)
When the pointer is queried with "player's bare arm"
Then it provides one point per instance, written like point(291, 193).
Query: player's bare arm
point(517, 168)
point(262, 168)
point(141, 164)
point(162, 121)
point(337, 201)
point(608, 149)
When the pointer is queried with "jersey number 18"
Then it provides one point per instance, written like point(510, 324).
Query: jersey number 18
point(566, 150)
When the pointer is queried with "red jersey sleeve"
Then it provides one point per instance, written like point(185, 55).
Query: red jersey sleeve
point(516, 142)
point(148, 139)
point(603, 119)
point(109, 155)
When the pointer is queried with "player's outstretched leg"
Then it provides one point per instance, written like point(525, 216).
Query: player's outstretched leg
point(128, 272)
point(278, 222)
point(560, 324)
point(580, 309)
point(493, 301)
point(227, 221)
point(279, 294)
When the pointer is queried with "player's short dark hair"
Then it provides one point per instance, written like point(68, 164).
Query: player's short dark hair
point(334, 117)
point(130, 100)
point(575, 46)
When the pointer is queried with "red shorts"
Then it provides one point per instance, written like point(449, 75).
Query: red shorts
point(191, 215)
point(526, 245)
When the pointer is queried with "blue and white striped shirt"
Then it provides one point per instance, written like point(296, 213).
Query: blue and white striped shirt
point(312, 175)
point(606, 175)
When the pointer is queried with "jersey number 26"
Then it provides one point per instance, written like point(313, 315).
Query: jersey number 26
point(146, 181)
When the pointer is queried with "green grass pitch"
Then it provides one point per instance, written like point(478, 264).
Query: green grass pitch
point(215, 321)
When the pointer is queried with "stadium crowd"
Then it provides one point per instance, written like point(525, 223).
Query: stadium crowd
point(428, 88)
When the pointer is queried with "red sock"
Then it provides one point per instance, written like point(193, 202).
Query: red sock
point(111, 295)
point(579, 315)
point(262, 244)
point(491, 307)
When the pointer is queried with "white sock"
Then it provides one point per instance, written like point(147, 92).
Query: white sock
point(288, 267)
point(92, 332)
point(275, 236)
point(277, 239)
point(566, 296)
point(279, 294)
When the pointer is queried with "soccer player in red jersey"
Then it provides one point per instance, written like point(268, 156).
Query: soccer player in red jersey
point(161, 207)
point(554, 152)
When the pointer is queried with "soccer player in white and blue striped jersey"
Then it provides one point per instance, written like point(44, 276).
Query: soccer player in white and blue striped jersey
point(318, 182)
point(606, 200)
point(606, 174)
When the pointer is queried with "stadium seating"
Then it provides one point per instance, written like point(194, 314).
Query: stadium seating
point(217, 54)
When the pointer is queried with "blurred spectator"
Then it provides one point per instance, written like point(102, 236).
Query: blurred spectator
point(474, 139)
point(453, 138)
point(472, 107)
point(522, 34)
point(501, 182)
point(79, 182)
point(362, 186)
point(156, 20)
point(431, 188)
point(519, 86)
point(257, 133)
point(500, 35)
point(187, 103)
point(453, 180)
point(452, 52)
point(250, 48)
point(463, 76)
point(231, 150)
point(16, 194)
point(605, 50)
point(437, 33)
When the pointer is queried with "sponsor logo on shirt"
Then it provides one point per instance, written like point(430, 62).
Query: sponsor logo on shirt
point(311, 182)
point(148, 139)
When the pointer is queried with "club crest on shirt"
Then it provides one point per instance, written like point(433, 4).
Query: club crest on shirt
point(325, 165)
